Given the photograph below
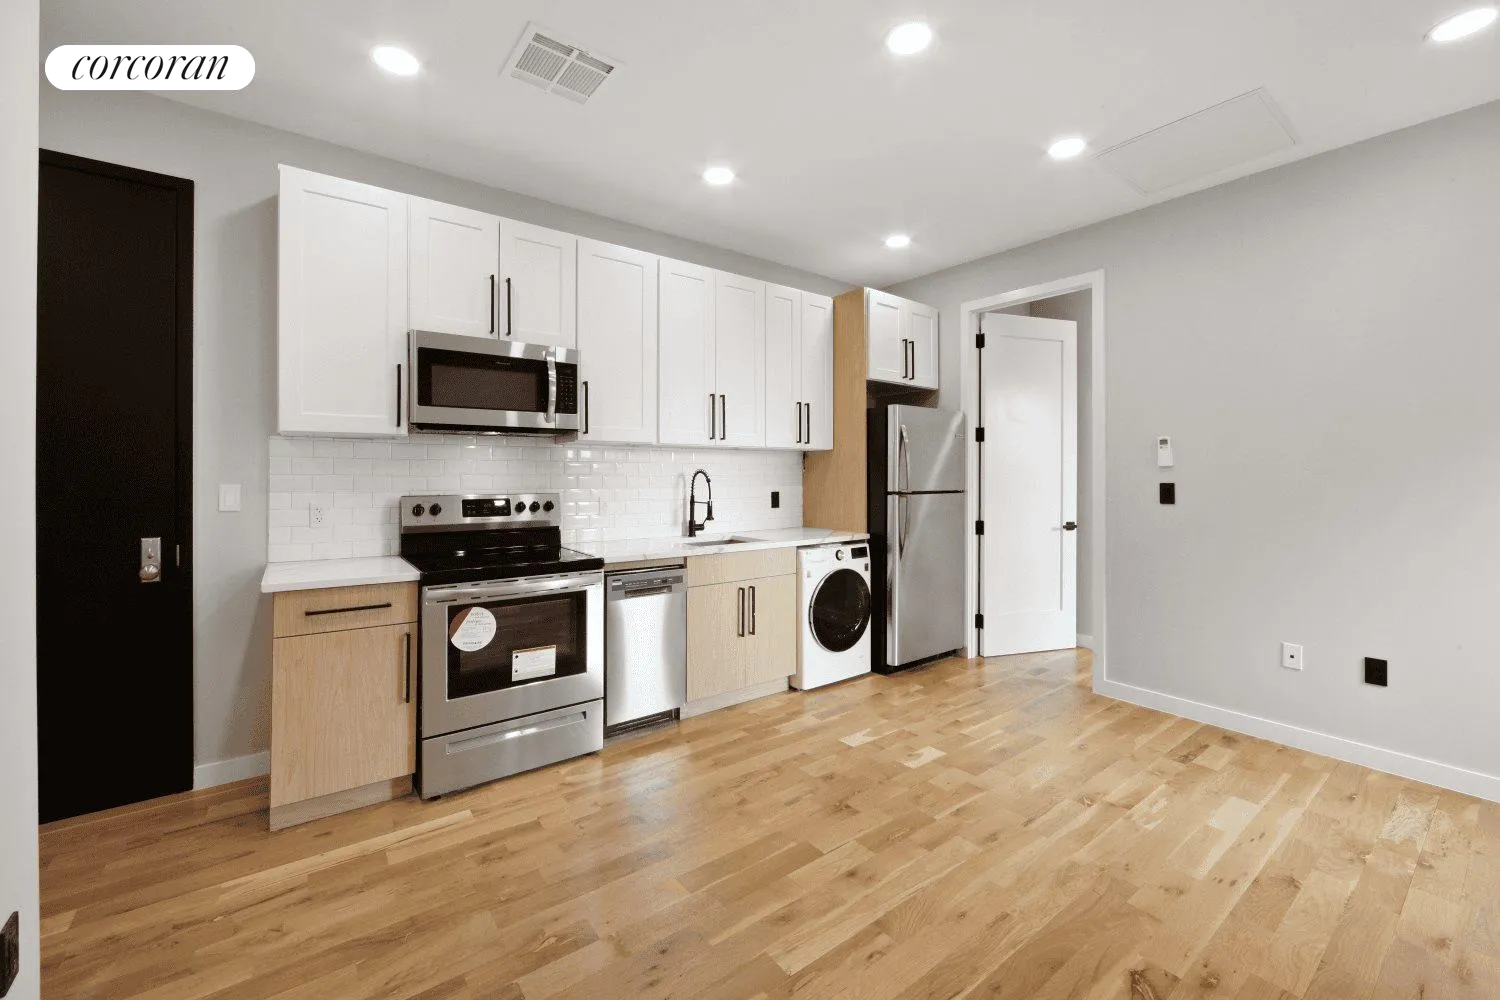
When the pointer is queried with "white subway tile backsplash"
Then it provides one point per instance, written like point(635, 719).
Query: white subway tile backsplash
point(607, 493)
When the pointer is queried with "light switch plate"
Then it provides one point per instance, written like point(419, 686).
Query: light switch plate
point(229, 496)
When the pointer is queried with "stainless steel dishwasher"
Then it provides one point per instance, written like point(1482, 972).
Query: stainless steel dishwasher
point(645, 647)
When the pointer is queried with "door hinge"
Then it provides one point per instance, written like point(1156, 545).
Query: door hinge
point(978, 527)
point(979, 435)
point(979, 621)
point(979, 341)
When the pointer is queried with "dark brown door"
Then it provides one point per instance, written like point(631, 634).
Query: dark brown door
point(114, 453)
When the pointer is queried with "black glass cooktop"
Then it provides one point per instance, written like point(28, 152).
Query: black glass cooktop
point(474, 565)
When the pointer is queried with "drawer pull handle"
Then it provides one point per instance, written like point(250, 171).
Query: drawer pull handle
point(341, 611)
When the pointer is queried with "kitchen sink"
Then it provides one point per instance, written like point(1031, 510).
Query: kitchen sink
point(721, 541)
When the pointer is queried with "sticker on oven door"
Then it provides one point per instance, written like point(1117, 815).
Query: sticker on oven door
point(472, 629)
point(539, 661)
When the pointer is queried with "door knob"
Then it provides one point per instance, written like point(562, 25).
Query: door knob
point(1071, 526)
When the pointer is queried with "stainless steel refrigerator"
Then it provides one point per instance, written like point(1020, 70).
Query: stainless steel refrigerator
point(918, 524)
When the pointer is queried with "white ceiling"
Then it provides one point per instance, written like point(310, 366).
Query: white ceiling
point(836, 142)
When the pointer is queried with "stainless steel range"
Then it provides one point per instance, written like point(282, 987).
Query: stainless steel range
point(512, 638)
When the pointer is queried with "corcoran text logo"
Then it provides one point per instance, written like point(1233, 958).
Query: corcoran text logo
point(150, 67)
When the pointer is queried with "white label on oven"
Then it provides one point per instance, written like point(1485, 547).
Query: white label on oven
point(528, 663)
point(472, 629)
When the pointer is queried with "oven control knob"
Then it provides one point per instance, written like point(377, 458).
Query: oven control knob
point(435, 509)
point(535, 506)
point(418, 510)
point(547, 506)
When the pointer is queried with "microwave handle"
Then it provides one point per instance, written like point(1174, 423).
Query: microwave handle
point(551, 386)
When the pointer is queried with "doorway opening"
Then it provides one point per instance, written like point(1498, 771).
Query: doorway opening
point(114, 485)
point(1043, 351)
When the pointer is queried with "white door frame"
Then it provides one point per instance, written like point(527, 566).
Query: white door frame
point(969, 314)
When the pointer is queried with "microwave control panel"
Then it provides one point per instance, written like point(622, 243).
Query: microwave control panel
point(567, 388)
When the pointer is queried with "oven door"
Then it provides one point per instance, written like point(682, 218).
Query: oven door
point(497, 651)
point(499, 385)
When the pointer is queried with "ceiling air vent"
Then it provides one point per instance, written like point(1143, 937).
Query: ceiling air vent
point(559, 67)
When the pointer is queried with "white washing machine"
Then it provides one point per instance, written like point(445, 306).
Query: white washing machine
point(835, 607)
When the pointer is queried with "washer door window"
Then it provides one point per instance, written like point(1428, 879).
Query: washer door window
point(839, 613)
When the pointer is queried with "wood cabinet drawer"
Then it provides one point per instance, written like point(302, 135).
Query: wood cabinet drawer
point(705, 571)
point(333, 609)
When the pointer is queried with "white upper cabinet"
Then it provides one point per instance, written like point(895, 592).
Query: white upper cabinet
point(455, 269)
point(740, 359)
point(538, 285)
point(903, 340)
point(817, 371)
point(342, 308)
point(785, 415)
point(887, 325)
point(923, 328)
point(617, 343)
point(688, 406)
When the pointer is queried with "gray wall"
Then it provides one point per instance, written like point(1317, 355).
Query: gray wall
point(18, 198)
point(234, 165)
point(1322, 342)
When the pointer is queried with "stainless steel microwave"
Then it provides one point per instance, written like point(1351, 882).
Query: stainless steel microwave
point(491, 386)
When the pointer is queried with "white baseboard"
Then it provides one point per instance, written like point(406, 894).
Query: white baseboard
point(1085, 641)
point(1458, 779)
point(222, 772)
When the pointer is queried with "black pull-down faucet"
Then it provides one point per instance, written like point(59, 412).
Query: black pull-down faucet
point(696, 526)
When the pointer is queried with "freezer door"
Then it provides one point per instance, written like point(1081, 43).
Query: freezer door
point(925, 450)
point(924, 576)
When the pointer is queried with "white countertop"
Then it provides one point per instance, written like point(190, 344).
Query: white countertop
point(315, 574)
point(319, 573)
point(644, 549)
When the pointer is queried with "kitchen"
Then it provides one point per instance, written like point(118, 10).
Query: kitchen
point(499, 473)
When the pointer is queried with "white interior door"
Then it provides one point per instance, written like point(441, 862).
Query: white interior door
point(539, 273)
point(455, 268)
point(783, 367)
point(1029, 487)
point(617, 343)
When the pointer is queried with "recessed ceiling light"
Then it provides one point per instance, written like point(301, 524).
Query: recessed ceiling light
point(910, 38)
point(395, 60)
point(1066, 149)
point(897, 241)
point(718, 176)
point(1463, 25)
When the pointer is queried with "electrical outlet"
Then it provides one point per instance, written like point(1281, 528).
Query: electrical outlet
point(1166, 493)
point(775, 499)
point(317, 515)
point(10, 953)
point(1376, 671)
point(1291, 655)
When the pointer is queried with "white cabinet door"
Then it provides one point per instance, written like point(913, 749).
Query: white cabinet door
point(539, 285)
point(817, 371)
point(687, 407)
point(886, 323)
point(784, 365)
point(455, 269)
point(341, 319)
point(617, 343)
point(922, 327)
point(740, 359)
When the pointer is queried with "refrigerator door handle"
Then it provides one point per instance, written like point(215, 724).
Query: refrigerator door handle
point(903, 461)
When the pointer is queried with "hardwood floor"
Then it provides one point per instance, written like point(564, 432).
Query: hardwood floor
point(981, 829)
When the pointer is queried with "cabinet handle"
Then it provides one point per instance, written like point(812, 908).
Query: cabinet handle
point(799, 423)
point(510, 310)
point(585, 406)
point(492, 303)
point(752, 610)
point(713, 419)
point(406, 698)
point(912, 346)
point(808, 436)
point(740, 629)
point(398, 395)
point(904, 342)
point(341, 611)
point(723, 419)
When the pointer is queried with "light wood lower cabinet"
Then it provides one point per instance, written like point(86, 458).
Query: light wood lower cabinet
point(740, 634)
point(343, 713)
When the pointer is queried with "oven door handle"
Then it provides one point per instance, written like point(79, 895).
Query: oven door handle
point(516, 588)
point(552, 386)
